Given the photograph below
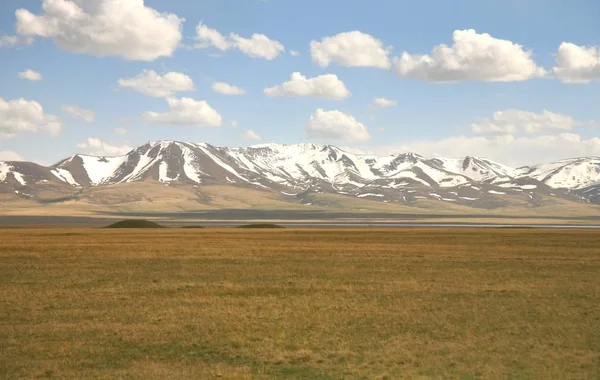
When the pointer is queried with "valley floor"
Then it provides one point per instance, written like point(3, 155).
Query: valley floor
point(299, 303)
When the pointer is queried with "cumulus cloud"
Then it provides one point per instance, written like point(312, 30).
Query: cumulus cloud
point(227, 89)
point(294, 53)
point(251, 135)
point(30, 75)
point(14, 41)
point(151, 83)
point(207, 37)
point(124, 28)
point(336, 125)
point(9, 155)
point(96, 147)
point(383, 103)
point(326, 86)
point(473, 56)
point(80, 113)
point(351, 49)
point(506, 149)
point(512, 121)
point(22, 115)
point(256, 46)
point(121, 131)
point(186, 111)
point(577, 64)
point(514, 137)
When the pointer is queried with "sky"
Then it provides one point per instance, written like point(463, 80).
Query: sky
point(516, 81)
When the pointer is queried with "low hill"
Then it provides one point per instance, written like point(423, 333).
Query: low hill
point(135, 223)
point(260, 225)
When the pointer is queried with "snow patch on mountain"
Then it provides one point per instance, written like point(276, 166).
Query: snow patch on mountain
point(4, 170)
point(477, 169)
point(221, 163)
point(99, 169)
point(19, 177)
point(65, 176)
point(370, 195)
point(191, 170)
point(163, 169)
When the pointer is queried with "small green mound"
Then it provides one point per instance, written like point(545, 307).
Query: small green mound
point(260, 225)
point(135, 223)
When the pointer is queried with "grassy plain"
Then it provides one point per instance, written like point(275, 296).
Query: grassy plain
point(152, 197)
point(306, 304)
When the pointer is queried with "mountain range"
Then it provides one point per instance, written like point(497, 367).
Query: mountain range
point(296, 173)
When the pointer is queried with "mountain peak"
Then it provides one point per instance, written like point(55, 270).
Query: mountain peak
point(163, 143)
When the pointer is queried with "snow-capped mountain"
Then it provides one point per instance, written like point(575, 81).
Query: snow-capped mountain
point(302, 170)
point(575, 173)
point(287, 165)
point(21, 174)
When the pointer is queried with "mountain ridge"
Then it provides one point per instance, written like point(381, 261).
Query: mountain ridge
point(305, 169)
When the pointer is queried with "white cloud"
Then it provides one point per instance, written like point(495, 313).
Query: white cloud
point(80, 113)
point(251, 135)
point(257, 46)
point(577, 64)
point(336, 125)
point(512, 121)
point(472, 57)
point(510, 141)
point(186, 111)
point(383, 103)
point(121, 131)
point(208, 37)
point(9, 155)
point(514, 138)
point(234, 124)
point(150, 83)
point(30, 75)
point(96, 147)
point(351, 49)
point(294, 53)
point(25, 115)
point(124, 28)
point(13, 41)
point(326, 86)
point(227, 89)
point(506, 149)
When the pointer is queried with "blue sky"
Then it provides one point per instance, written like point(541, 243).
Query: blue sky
point(453, 118)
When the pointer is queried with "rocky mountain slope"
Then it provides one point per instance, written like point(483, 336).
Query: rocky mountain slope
point(303, 170)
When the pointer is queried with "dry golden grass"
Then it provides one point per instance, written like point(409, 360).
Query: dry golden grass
point(156, 198)
point(309, 304)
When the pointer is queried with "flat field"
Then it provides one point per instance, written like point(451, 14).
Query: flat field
point(305, 304)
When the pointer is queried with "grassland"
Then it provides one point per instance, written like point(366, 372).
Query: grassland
point(307, 304)
point(153, 197)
